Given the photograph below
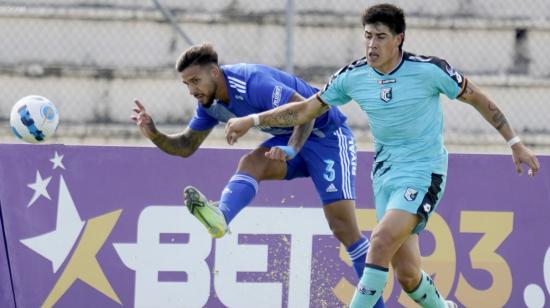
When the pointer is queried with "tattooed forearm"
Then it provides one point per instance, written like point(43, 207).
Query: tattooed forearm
point(468, 91)
point(183, 144)
point(498, 120)
point(286, 118)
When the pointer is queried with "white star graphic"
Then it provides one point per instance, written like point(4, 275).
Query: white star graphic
point(57, 161)
point(39, 187)
point(56, 245)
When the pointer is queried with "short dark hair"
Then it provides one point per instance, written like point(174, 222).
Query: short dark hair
point(387, 14)
point(197, 55)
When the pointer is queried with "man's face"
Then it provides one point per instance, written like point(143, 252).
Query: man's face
point(382, 47)
point(201, 82)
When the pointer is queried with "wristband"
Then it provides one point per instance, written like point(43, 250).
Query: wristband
point(256, 118)
point(289, 150)
point(513, 141)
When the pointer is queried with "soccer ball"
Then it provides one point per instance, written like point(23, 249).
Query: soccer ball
point(34, 119)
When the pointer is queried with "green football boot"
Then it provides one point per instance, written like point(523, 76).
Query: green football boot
point(206, 212)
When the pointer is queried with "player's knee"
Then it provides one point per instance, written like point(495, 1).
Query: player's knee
point(343, 232)
point(252, 163)
point(382, 246)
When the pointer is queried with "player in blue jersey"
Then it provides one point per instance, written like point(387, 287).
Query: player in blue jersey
point(323, 149)
point(400, 93)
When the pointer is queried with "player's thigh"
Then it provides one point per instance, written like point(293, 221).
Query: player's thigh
point(332, 163)
point(257, 165)
point(294, 168)
point(389, 234)
point(342, 221)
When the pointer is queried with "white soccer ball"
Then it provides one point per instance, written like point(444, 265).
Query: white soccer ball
point(34, 119)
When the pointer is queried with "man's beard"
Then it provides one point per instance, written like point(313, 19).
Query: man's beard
point(208, 103)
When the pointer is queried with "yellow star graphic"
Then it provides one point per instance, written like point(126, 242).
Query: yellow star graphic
point(83, 264)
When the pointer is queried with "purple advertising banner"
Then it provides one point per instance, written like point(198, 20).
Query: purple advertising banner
point(91, 226)
point(6, 291)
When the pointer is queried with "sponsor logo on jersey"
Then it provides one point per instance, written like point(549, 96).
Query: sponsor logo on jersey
point(276, 96)
point(386, 81)
point(453, 73)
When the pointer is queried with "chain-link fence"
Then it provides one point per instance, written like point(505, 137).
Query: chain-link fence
point(92, 57)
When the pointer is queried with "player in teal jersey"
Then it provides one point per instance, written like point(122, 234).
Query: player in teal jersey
point(400, 93)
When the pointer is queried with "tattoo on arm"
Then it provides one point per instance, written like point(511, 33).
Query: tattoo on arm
point(498, 118)
point(468, 90)
point(286, 118)
point(183, 144)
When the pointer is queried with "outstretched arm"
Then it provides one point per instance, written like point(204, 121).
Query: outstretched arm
point(489, 110)
point(288, 115)
point(183, 144)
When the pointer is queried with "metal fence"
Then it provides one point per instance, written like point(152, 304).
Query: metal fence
point(92, 57)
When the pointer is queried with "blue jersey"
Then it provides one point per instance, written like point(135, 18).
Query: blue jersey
point(403, 106)
point(253, 88)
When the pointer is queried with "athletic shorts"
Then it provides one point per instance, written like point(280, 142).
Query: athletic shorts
point(331, 162)
point(414, 188)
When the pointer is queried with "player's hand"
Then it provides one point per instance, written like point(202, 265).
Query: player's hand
point(522, 154)
point(144, 121)
point(237, 127)
point(281, 153)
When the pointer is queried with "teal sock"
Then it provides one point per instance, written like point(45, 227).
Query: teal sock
point(426, 294)
point(370, 286)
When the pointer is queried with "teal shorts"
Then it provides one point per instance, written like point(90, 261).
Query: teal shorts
point(413, 188)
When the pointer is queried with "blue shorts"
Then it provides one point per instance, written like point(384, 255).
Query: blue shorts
point(414, 188)
point(331, 162)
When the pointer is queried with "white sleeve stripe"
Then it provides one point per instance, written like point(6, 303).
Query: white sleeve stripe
point(236, 80)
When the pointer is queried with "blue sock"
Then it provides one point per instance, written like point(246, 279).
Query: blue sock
point(426, 294)
point(237, 194)
point(358, 254)
point(370, 287)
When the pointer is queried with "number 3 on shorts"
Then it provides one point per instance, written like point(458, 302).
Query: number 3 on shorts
point(329, 174)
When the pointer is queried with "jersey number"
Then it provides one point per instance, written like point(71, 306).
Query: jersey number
point(329, 170)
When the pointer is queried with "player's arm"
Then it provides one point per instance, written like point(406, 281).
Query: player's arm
point(296, 140)
point(183, 144)
point(473, 95)
point(291, 114)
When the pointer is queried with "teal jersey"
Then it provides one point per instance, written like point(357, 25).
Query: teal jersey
point(403, 106)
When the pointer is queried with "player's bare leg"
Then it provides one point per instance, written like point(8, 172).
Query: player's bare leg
point(392, 241)
point(341, 219)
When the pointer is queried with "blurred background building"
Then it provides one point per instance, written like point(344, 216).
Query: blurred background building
point(92, 57)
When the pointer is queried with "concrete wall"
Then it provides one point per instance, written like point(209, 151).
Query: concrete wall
point(93, 57)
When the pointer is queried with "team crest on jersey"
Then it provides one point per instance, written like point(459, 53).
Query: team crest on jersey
point(386, 94)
